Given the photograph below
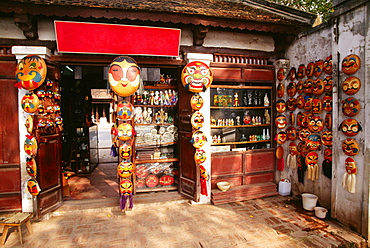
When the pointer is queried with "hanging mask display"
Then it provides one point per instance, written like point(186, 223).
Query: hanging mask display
point(280, 121)
point(291, 160)
point(328, 153)
point(300, 86)
point(125, 110)
point(350, 147)
point(310, 69)
point(30, 72)
point(327, 103)
point(328, 65)
point(307, 86)
point(196, 76)
point(280, 158)
point(300, 101)
point(29, 123)
point(31, 167)
point(198, 139)
point(125, 151)
point(125, 187)
point(41, 109)
point(40, 94)
point(30, 145)
point(280, 90)
point(312, 166)
point(280, 74)
point(306, 118)
point(291, 118)
point(125, 169)
point(351, 64)
point(301, 71)
point(303, 133)
point(350, 127)
point(291, 133)
point(313, 142)
point(299, 119)
point(316, 106)
point(281, 137)
point(33, 187)
point(200, 156)
point(307, 102)
point(351, 85)
point(291, 104)
point(351, 106)
point(124, 76)
point(292, 74)
point(328, 121)
point(328, 84)
point(317, 87)
point(197, 120)
point(327, 163)
point(41, 123)
point(196, 102)
point(58, 120)
point(318, 68)
point(327, 138)
point(280, 106)
point(302, 148)
point(316, 124)
point(125, 131)
point(204, 176)
point(349, 177)
point(293, 148)
point(291, 89)
point(30, 102)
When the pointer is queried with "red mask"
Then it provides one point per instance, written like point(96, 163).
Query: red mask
point(301, 71)
point(307, 86)
point(328, 121)
point(328, 65)
point(280, 106)
point(292, 89)
point(280, 74)
point(319, 66)
point(351, 167)
point(306, 117)
point(327, 138)
point(316, 106)
point(293, 149)
point(313, 142)
point(300, 86)
point(292, 74)
point(280, 90)
point(310, 69)
point(327, 103)
point(303, 133)
point(351, 85)
point(281, 121)
point(328, 84)
point(317, 87)
point(311, 159)
point(291, 133)
point(281, 137)
point(291, 104)
point(350, 127)
point(351, 106)
point(196, 76)
point(300, 102)
point(328, 154)
point(350, 147)
point(316, 124)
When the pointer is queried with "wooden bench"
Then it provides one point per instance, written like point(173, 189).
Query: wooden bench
point(15, 219)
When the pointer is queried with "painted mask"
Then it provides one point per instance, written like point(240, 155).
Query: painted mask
point(291, 133)
point(318, 68)
point(49, 94)
point(125, 168)
point(328, 65)
point(280, 74)
point(198, 139)
point(281, 137)
point(301, 71)
point(30, 72)
point(29, 124)
point(292, 74)
point(293, 149)
point(125, 151)
point(196, 102)
point(30, 102)
point(197, 120)
point(30, 145)
point(350, 127)
point(40, 94)
point(351, 167)
point(200, 156)
point(318, 87)
point(281, 121)
point(300, 101)
point(328, 121)
point(56, 108)
point(351, 85)
point(203, 173)
point(307, 86)
point(50, 109)
point(291, 104)
point(291, 89)
point(327, 103)
point(125, 187)
point(313, 142)
point(300, 86)
point(311, 159)
point(307, 102)
point(327, 138)
point(291, 118)
point(49, 83)
point(303, 133)
point(57, 96)
point(350, 147)
point(316, 106)
point(351, 106)
point(316, 124)
point(124, 76)
point(299, 119)
point(33, 187)
point(310, 69)
point(328, 84)
point(351, 64)
point(41, 123)
point(58, 120)
point(31, 167)
point(328, 154)
point(280, 106)
point(125, 110)
point(279, 153)
point(196, 76)
point(302, 148)
point(306, 117)
point(125, 131)
point(280, 90)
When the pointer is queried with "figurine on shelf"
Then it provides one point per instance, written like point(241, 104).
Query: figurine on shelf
point(266, 101)
point(145, 115)
point(161, 98)
point(260, 98)
point(156, 98)
point(236, 100)
point(166, 98)
point(138, 115)
point(151, 98)
point(255, 98)
point(250, 98)
point(149, 116)
point(247, 118)
point(238, 120)
point(267, 117)
point(243, 138)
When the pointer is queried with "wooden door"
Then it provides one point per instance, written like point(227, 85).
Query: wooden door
point(189, 172)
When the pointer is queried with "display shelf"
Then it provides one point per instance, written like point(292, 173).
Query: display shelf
point(261, 107)
point(156, 106)
point(240, 142)
point(164, 188)
point(163, 160)
point(243, 126)
point(142, 145)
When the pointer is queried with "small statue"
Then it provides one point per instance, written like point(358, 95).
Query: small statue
point(267, 117)
point(255, 98)
point(266, 101)
point(151, 98)
point(238, 120)
point(236, 100)
point(250, 98)
point(156, 98)
point(247, 118)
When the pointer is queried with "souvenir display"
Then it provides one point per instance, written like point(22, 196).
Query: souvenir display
point(305, 118)
point(281, 137)
point(124, 76)
point(30, 72)
point(31, 167)
point(328, 121)
point(196, 102)
point(125, 169)
point(301, 71)
point(307, 86)
point(349, 177)
point(328, 65)
point(197, 120)
point(327, 103)
point(291, 104)
point(318, 87)
point(307, 102)
point(328, 84)
point(351, 106)
point(126, 189)
point(327, 163)
point(291, 89)
point(40, 94)
point(327, 138)
point(291, 160)
point(30, 102)
point(30, 145)
point(280, 74)
point(351, 85)
point(316, 106)
point(125, 151)
point(291, 133)
point(166, 180)
point(303, 133)
point(318, 68)
point(198, 139)
point(247, 119)
point(350, 127)
point(316, 124)
point(200, 156)
point(204, 177)
point(299, 119)
point(291, 118)
point(300, 86)
point(312, 166)
point(196, 76)
point(302, 149)
point(310, 69)
point(33, 187)
point(124, 131)
point(292, 74)
point(125, 110)
point(29, 124)
point(350, 147)
point(300, 101)
point(280, 121)
point(280, 106)
point(313, 142)
point(351, 64)
point(280, 90)
point(280, 158)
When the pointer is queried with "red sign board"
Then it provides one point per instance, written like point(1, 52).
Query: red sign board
point(98, 38)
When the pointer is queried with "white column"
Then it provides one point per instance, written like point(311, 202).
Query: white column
point(20, 52)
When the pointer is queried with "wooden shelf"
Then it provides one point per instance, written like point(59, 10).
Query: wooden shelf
point(155, 106)
point(241, 87)
point(259, 125)
point(163, 160)
point(160, 87)
point(164, 188)
point(142, 145)
point(240, 143)
point(259, 107)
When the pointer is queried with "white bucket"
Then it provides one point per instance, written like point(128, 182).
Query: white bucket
point(309, 201)
point(284, 188)
point(320, 212)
